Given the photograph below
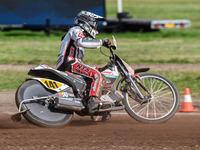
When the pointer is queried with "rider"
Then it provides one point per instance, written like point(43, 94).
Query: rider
point(72, 51)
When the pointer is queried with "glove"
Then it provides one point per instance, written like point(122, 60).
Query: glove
point(106, 42)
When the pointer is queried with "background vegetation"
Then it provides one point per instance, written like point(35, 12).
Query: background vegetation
point(167, 46)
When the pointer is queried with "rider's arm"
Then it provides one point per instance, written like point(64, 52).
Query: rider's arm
point(89, 43)
point(78, 36)
point(82, 41)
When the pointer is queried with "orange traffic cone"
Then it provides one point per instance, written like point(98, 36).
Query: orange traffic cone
point(187, 102)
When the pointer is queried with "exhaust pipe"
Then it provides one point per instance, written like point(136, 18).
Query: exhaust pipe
point(70, 103)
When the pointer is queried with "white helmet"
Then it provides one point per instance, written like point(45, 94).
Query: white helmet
point(88, 21)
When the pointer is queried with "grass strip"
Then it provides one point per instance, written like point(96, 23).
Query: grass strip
point(11, 79)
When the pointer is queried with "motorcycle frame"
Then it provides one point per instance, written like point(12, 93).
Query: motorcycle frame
point(124, 72)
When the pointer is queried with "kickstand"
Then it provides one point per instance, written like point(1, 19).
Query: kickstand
point(17, 117)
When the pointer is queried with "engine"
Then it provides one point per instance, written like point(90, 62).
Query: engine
point(114, 96)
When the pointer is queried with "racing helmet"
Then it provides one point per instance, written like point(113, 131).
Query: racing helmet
point(88, 22)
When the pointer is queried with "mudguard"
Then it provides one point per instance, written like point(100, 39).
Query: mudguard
point(138, 70)
point(77, 82)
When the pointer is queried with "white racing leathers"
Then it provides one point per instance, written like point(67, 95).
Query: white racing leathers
point(71, 55)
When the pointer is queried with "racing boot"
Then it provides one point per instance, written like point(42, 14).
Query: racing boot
point(94, 104)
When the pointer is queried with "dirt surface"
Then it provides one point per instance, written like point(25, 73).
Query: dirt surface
point(119, 133)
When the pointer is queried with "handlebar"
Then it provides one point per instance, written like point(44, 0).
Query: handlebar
point(112, 47)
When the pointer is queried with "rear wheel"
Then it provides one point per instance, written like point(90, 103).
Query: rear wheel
point(160, 107)
point(40, 113)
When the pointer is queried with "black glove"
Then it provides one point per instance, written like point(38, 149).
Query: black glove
point(106, 42)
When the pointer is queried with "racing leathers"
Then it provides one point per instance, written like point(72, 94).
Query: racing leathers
point(71, 55)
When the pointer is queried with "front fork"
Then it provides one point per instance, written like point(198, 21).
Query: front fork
point(136, 78)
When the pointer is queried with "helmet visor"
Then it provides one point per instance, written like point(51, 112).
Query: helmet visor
point(93, 24)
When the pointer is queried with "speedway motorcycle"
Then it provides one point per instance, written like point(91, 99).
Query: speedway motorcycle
point(52, 97)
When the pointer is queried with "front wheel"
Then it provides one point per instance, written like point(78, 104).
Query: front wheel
point(160, 107)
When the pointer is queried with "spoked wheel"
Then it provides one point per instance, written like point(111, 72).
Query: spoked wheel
point(160, 107)
point(40, 113)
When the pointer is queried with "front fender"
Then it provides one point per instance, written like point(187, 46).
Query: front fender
point(139, 70)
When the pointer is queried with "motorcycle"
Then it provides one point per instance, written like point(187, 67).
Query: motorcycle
point(52, 97)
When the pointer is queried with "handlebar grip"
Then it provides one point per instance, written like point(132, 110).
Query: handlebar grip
point(113, 47)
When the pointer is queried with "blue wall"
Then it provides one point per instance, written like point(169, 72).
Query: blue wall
point(35, 12)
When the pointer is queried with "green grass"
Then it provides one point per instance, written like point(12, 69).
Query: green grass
point(167, 46)
point(11, 79)
point(28, 51)
point(157, 47)
point(182, 79)
point(158, 9)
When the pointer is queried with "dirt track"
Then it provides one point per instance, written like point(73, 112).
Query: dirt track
point(120, 132)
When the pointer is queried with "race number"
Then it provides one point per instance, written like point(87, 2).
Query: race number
point(51, 84)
